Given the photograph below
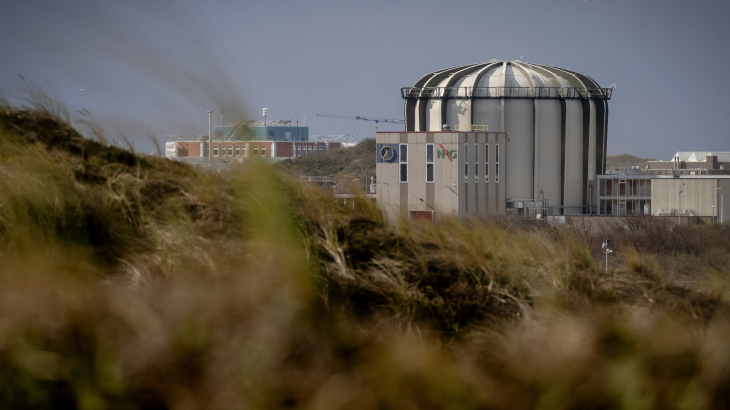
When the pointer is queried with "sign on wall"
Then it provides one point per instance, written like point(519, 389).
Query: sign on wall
point(444, 153)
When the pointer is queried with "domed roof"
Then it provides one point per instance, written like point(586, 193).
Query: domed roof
point(506, 79)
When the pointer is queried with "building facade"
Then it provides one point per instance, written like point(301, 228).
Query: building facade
point(664, 195)
point(426, 174)
point(275, 130)
point(238, 151)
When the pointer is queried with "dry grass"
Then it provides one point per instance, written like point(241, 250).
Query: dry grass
point(134, 282)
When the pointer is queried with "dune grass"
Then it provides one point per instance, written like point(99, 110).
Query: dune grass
point(135, 282)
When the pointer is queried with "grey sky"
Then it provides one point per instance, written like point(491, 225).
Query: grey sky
point(160, 66)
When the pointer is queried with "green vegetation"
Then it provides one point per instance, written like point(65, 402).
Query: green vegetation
point(347, 164)
point(137, 283)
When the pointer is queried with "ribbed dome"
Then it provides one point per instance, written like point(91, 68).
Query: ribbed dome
point(556, 120)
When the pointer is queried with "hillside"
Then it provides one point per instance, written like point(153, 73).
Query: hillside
point(138, 283)
point(347, 164)
point(625, 161)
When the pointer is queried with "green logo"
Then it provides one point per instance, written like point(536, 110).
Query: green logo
point(444, 153)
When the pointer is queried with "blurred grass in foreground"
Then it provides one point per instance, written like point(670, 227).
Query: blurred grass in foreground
point(135, 282)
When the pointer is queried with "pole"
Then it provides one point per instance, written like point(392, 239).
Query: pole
point(722, 208)
point(221, 125)
point(266, 130)
point(210, 137)
point(679, 206)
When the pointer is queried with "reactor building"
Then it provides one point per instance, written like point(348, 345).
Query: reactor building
point(523, 136)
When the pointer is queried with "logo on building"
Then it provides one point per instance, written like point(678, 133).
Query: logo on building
point(387, 153)
point(444, 153)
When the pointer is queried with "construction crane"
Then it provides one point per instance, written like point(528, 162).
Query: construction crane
point(377, 120)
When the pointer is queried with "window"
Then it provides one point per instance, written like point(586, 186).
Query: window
point(230, 150)
point(238, 151)
point(287, 135)
point(299, 151)
point(255, 150)
point(496, 162)
point(476, 163)
point(320, 148)
point(429, 163)
point(309, 149)
point(215, 151)
point(403, 155)
point(466, 163)
point(263, 150)
point(486, 162)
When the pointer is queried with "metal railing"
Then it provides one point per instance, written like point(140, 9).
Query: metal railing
point(507, 92)
point(473, 127)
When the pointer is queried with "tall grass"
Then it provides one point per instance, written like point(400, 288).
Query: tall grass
point(134, 282)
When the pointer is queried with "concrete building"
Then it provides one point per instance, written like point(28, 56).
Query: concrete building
point(424, 174)
point(556, 121)
point(692, 163)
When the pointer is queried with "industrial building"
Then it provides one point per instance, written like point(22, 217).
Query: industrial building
point(692, 163)
point(664, 195)
point(550, 124)
point(273, 130)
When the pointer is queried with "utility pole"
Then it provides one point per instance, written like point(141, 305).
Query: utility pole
point(210, 137)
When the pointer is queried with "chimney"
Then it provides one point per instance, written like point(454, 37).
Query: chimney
point(711, 161)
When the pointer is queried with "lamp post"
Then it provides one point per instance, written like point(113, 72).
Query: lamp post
point(266, 131)
point(542, 204)
point(679, 204)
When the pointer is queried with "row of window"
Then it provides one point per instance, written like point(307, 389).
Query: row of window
point(243, 150)
point(486, 163)
point(240, 151)
point(307, 149)
point(403, 159)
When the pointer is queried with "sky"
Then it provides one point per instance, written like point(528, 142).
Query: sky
point(156, 67)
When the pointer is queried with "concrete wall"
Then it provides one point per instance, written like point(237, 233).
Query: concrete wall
point(698, 195)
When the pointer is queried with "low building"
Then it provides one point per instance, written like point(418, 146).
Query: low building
point(662, 195)
point(692, 163)
point(423, 174)
point(237, 151)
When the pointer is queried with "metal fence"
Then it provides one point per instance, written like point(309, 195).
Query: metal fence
point(507, 92)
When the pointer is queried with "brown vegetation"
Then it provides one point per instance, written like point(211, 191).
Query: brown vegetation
point(134, 282)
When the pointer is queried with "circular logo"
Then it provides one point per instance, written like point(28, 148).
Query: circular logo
point(387, 153)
